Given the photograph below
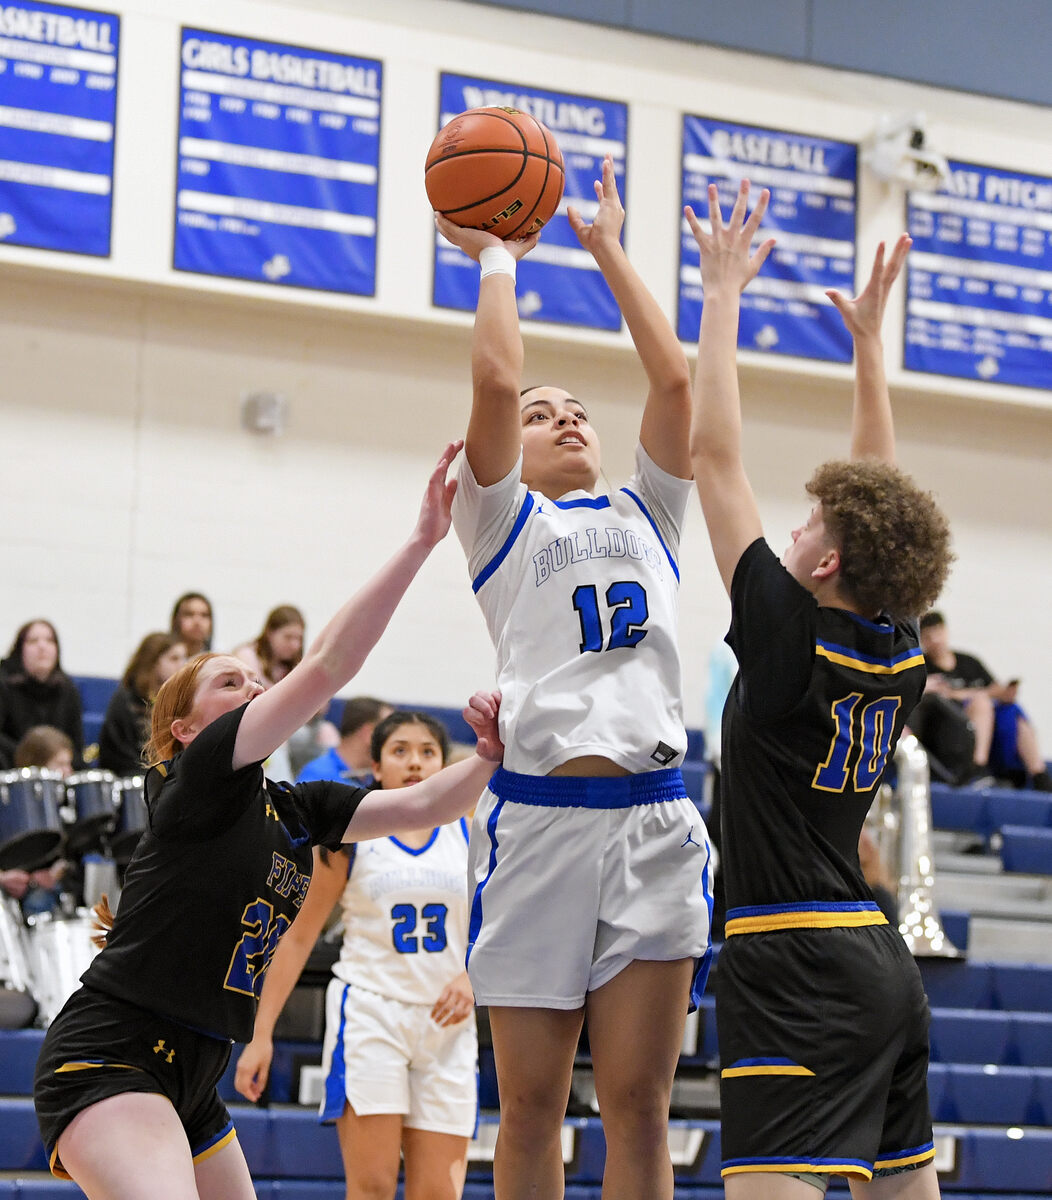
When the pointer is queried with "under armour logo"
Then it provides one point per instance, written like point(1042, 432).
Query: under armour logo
point(689, 839)
point(272, 811)
point(167, 1055)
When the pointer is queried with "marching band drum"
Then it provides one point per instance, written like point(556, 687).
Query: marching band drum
point(91, 816)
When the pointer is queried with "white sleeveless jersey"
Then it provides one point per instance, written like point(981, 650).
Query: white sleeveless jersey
point(405, 916)
point(581, 598)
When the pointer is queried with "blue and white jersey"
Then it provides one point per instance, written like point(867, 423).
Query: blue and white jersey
point(581, 597)
point(405, 915)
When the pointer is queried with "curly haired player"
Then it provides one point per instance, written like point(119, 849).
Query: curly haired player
point(823, 1022)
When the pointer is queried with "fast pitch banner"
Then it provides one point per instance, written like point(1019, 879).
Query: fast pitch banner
point(58, 105)
point(558, 281)
point(278, 163)
point(813, 183)
point(980, 278)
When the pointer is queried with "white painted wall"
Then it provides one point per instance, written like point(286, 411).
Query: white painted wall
point(127, 478)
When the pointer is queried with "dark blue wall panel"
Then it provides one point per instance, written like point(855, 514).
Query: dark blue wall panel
point(995, 49)
point(777, 27)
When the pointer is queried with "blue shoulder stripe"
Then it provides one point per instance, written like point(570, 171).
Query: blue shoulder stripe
point(584, 502)
point(657, 532)
point(502, 553)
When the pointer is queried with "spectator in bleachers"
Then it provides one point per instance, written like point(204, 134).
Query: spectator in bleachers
point(1006, 745)
point(192, 622)
point(47, 747)
point(277, 649)
point(126, 726)
point(350, 760)
point(820, 1009)
point(125, 1084)
point(34, 690)
point(400, 1054)
point(279, 646)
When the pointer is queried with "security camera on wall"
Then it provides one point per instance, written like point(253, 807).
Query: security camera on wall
point(899, 151)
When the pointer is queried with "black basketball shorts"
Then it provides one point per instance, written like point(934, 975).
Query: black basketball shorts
point(99, 1047)
point(823, 1037)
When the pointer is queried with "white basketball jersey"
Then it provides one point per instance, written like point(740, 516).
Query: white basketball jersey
point(581, 598)
point(405, 916)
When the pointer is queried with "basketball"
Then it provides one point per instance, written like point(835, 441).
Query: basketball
point(497, 169)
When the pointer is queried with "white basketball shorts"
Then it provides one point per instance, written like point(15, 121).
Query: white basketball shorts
point(574, 878)
point(386, 1056)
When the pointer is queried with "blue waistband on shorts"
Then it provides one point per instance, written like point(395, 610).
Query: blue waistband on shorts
point(575, 791)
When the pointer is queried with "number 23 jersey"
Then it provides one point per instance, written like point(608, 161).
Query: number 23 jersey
point(581, 597)
point(405, 915)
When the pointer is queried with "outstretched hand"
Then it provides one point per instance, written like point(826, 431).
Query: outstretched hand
point(608, 219)
point(725, 249)
point(474, 241)
point(864, 314)
point(437, 506)
point(481, 714)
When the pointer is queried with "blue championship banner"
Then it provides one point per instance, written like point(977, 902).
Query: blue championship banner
point(980, 278)
point(558, 281)
point(58, 105)
point(279, 152)
point(813, 183)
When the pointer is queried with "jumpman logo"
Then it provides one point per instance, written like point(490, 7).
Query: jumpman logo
point(540, 510)
point(689, 840)
point(167, 1055)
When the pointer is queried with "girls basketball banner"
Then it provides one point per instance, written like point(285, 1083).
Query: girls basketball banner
point(813, 184)
point(980, 278)
point(558, 281)
point(58, 106)
point(279, 151)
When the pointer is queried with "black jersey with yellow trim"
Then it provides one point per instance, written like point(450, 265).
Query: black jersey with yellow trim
point(215, 881)
point(813, 718)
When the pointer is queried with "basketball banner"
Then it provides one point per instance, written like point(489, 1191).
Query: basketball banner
point(279, 152)
point(979, 299)
point(813, 184)
point(58, 107)
point(558, 281)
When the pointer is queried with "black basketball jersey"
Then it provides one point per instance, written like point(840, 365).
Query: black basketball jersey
point(811, 721)
point(217, 878)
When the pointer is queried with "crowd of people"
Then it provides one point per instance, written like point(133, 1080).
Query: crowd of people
point(583, 892)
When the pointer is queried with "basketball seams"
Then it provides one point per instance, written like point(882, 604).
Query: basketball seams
point(534, 151)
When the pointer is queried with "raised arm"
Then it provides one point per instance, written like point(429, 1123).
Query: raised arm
point(442, 797)
point(494, 436)
point(327, 881)
point(727, 266)
point(872, 428)
point(666, 416)
point(343, 645)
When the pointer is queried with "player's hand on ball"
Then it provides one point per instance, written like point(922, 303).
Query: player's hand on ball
point(474, 241)
point(481, 714)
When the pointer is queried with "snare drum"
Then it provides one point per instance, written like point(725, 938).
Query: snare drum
point(131, 818)
point(91, 807)
point(30, 822)
point(60, 951)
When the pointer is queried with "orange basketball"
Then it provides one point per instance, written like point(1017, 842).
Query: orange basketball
point(497, 169)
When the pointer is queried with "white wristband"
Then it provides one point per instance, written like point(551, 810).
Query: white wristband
point(495, 260)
